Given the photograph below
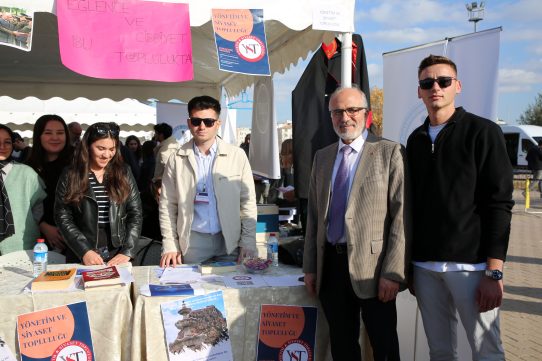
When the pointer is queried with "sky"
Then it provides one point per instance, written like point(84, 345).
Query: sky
point(389, 25)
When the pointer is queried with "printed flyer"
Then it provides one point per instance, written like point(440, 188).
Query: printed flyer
point(56, 334)
point(287, 333)
point(240, 40)
point(16, 27)
point(196, 328)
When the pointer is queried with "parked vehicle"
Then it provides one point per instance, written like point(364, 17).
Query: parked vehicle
point(519, 139)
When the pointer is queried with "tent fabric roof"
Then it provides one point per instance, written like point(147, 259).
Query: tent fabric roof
point(40, 73)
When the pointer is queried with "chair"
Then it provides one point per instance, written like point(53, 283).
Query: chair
point(148, 252)
point(26, 257)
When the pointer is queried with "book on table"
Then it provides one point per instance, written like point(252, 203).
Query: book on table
point(217, 267)
point(102, 277)
point(54, 280)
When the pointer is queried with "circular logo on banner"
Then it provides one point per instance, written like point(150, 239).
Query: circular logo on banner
point(250, 48)
point(297, 350)
point(72, 350)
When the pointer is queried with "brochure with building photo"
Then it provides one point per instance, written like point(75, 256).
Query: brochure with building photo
point(196, 328)
point(56, 334)
point(286, 332)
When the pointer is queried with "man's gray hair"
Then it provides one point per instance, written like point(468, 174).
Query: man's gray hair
point(354, 86)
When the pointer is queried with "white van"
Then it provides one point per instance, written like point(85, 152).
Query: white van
point(519, 139)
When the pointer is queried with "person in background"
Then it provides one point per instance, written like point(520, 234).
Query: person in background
point(356, 247)
point(19, 146)
point(207, 202)
point(75, 131)
point(246, 144)
point(534, 160)
point(134, 145)
point(284, 198)
point(163, 133)
point(97, 206)
point(50, 155)
point(21, 196)
point(462, 184)
point(147, 165)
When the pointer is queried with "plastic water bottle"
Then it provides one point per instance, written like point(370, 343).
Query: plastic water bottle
point(273, 249)
point(40, 257)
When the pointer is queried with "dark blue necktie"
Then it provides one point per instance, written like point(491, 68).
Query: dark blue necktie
point(338, 199)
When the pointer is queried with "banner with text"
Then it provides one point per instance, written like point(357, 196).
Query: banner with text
point(287, 332)
point(131, 39)
point(240, 40)
point(56, 334)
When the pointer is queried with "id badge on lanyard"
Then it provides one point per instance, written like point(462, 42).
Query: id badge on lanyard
point(202, 197)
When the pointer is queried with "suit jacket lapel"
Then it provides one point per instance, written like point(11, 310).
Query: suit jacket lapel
point(328, 159)
point(365, 165)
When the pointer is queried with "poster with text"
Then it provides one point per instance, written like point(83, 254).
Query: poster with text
point(129, 39)
point(240, 40)
point(56, 334)
point(16, 27)
point(287, 333)
point(196, 328)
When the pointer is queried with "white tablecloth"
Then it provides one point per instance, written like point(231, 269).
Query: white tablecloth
point(242, 309)
point(109, 310)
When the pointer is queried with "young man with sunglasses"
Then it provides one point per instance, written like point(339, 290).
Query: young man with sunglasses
point(462, 200)
point(208, 204)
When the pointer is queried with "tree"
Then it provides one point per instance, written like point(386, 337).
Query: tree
point(533, 114)
point(377, 104)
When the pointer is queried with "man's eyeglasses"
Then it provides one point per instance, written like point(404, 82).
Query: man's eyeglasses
point(196, 122)
point(337, 113)
point(105, 128)
point(442, 81)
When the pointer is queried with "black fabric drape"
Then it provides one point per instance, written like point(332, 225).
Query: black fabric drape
point(311, 121)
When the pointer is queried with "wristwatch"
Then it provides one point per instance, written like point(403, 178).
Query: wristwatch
point(494, 274)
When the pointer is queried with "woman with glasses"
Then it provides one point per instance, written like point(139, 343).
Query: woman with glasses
point(21, 196)
point(97, 204)
point(51, 153)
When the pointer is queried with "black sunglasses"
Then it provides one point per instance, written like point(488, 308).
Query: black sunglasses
point(196, 122)
point(442, 81)
point(105, 128)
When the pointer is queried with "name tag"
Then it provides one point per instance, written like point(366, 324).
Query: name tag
point(202, 197)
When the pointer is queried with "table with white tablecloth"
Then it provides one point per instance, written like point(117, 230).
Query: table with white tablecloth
point(109, 311)
point(242, 312)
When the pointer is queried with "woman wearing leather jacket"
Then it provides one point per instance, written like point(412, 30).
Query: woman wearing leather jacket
point(97, 204)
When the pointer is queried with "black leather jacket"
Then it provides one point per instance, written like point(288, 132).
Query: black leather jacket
point(79, 224)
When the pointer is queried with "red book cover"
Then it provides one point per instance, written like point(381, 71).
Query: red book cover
point(102, 277)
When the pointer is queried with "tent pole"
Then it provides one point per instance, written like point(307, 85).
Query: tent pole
point(346, 60)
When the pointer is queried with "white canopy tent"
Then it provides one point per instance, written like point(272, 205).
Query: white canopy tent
point(40, 73)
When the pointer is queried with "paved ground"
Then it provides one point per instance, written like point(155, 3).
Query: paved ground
point(521, 313)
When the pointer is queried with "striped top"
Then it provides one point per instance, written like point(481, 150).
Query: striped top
point(101, 198)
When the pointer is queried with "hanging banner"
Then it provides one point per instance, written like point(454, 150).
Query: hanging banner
point(240, 40)
point(131, 39)
point(477, 58)
point(287, 333)
point(16, 27)
point(56, 334)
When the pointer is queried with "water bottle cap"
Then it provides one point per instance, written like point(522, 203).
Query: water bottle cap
point(271, 234)
point(41, 240)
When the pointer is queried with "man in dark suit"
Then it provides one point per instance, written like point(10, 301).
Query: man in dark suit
point(355, 246)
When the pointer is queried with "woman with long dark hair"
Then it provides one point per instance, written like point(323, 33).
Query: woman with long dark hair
point(51, 153)
point(97, 206)
point(21, 197)
point(134, 145)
